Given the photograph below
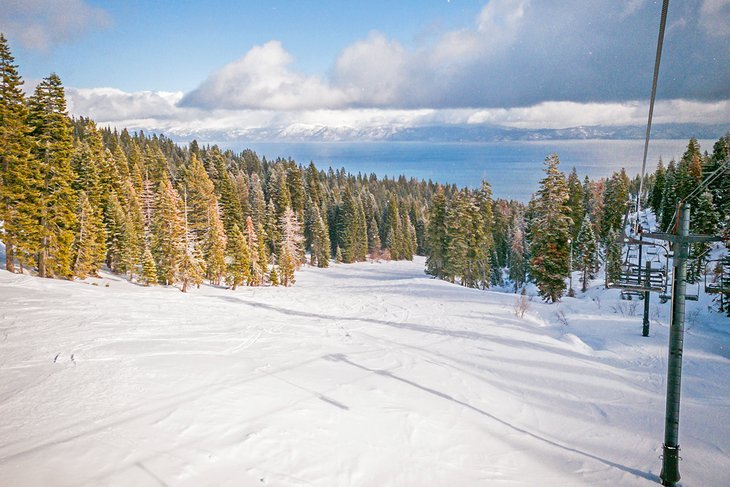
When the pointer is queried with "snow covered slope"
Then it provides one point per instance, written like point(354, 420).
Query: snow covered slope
point(364, 375)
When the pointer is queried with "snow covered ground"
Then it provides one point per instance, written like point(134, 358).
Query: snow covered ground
point(365, 375)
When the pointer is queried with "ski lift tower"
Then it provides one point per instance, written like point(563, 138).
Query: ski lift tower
point(681, 240)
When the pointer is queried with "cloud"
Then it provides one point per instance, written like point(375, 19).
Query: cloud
point(516, 53)
point(41, 24)
point(109, 104)
point(262, 79)
point(162, 112)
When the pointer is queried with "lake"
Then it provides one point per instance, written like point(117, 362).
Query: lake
point(513, 168)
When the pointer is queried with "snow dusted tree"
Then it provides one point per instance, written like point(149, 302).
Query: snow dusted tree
point(320, 247)
point(253, 243)
point(292, 239)
point(549, 233)
point(437, 237)
point(214, 245)
point(191, 267)
point(517, 264)
point(613, 257)
point(586, 250)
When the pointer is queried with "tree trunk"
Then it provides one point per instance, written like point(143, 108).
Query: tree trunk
point(9, 257)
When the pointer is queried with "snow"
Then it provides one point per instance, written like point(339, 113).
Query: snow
point(366, 374)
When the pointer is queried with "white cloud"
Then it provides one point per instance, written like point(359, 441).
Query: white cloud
point(160, 111)
point(571, 114)
point(40, 24)
point(262, 79)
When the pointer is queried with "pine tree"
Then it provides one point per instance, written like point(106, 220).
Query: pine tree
point(437, 238)
point(263, 261)
point(253, 243)
point(274, 276)
point(89, 254)
point(168, 233)
point(657, 190)
point(482, 254)
point(292, 243)
point(214, 245)
point(575, 202)
point(613, 257)
point(149, 269)
point(669, 198)
point(191, 267)
point(239, 268)
point(517, 264)
point(615, 197)
point(16, 191)
point(586, 250)
point(549, 233)
point(56, 200)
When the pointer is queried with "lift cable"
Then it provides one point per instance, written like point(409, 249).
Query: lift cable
point(660, 42)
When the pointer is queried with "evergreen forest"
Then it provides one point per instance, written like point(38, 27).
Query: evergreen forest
point(76, 198)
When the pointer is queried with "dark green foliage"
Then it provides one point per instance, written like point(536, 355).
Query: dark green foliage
point(585, 250)
point(51, 180)
point(549, 233)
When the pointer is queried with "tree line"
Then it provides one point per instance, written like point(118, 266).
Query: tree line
point(75, 197)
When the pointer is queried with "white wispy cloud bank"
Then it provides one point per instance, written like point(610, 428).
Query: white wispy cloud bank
point(161, 111)
point(40, 24)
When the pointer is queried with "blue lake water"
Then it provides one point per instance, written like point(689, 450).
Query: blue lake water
point(513, 168)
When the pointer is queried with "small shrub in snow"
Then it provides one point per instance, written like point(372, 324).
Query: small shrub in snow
point(562, 319)
point(522, 304)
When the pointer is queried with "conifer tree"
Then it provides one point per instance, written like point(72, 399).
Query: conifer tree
point(292, 244)
point(517, 264)
point(253, 242)
point(586, 249)
point(458, 228)
point(615, 197)
point(239, 268)
point(657, 190)
point(56, 200)
point(149, 269)
point(117, 243)
point(168, 233)
point(214, 245)
point(669, 198)
point(482, 255)
point(16, 201)
point(613, 257)
point(437, 237)
point(263, 260)
point(575, 202)
point(257, 201)
point(89, 252)
point(274, 276)
point(191, 267)
point(549, 233)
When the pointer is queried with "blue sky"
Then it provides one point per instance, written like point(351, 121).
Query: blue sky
point(174, 45)
point(186, 67)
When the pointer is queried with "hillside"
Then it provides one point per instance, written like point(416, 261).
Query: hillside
point(363, 374)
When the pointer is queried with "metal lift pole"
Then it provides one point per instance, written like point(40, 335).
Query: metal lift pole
point(670, 462)
point(647, 283)
point(681, 240)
